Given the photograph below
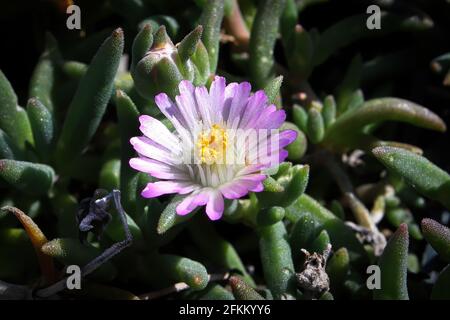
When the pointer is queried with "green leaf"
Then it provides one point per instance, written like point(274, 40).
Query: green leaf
point(242, 291)
point(70, 251)
point(300, 52)
point(74, 69)
point(91, 98)
point(215, 248)
point(43, 79)
point(115, 230)
point(42, 125)
point(321, 242)
point(127, 115)
point(386, 109)
point(28, 177)
point(297, 149)
point(393, 265)
point(141, 44)
point(329, 111)
point(211, 20)
point(270, 216)
point(276, 259)
point(187, 46)
point(315, 125)
point(356, 100)
point(262, 40)
point(7, 148)
point(169, 217)
point(288, 21)
point(302, 234)
point(159, 20)
point(441, 288)
point(300, 117)
point(438, 236)
point(65, 207)
point(271, 185)
point(417, 171)
point(169, 77)
point(337, 209)
point(13, 118)
point(338, 268)
point(180, 269)
point(109, 178)
point(272, 89)
point(299, 176)
point(348, 130)
point(294, 182)
point(216, 292)
point(340, 234)
point(397, 216)
point(200, 60)
point(350, 84)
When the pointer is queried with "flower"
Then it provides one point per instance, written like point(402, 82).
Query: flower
point(224, 142)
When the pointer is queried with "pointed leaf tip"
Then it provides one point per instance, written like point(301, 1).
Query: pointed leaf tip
point(418, 171)
point(438, 236)
point(393, 264)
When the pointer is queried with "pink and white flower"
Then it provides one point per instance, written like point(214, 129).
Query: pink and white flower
point(213, 153)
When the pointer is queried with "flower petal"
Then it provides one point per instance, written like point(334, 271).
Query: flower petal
point(217, 95)
point(158, 169)
point(155, 189)
point(152, 150)
point(187, 105)
point(204, 106)
point(191, 202)
point(215, 205)
point(239, 102)
point(158, 132)
point(170, 110)
point(255, 105)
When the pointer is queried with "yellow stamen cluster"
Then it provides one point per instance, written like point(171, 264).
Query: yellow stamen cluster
point(212, 145)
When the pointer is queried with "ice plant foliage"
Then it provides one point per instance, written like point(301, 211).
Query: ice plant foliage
point(224, 143)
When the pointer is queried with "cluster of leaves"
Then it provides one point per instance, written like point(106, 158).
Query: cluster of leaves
point(73, 137)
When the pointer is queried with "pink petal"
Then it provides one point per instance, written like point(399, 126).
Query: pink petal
point(186, 103)
point(215, 205)
point(191, 202)
point(158, 169)
point(240, 187)
point(170, 110)
point(204, 105)
point(256, 103)
point(150, 149)
point(156, 131)
point(287, 137)
point(217, 95)
point(230, 92)
point(155, 189)
point(239, 101)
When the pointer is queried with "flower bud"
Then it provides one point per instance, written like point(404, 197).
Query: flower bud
point(164, 65)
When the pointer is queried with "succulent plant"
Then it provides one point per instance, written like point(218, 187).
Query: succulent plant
point(92, 171)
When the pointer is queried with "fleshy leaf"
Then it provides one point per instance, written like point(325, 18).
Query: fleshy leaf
point(28, 177)
point(89, 103)
point(242, 291)
point(393, 265)
point(438, 236)
point(419, 172)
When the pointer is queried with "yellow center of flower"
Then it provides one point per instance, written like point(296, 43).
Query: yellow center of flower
point(212, 144)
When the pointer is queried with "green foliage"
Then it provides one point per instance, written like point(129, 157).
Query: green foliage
point(393, 265)
point(344, 185)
